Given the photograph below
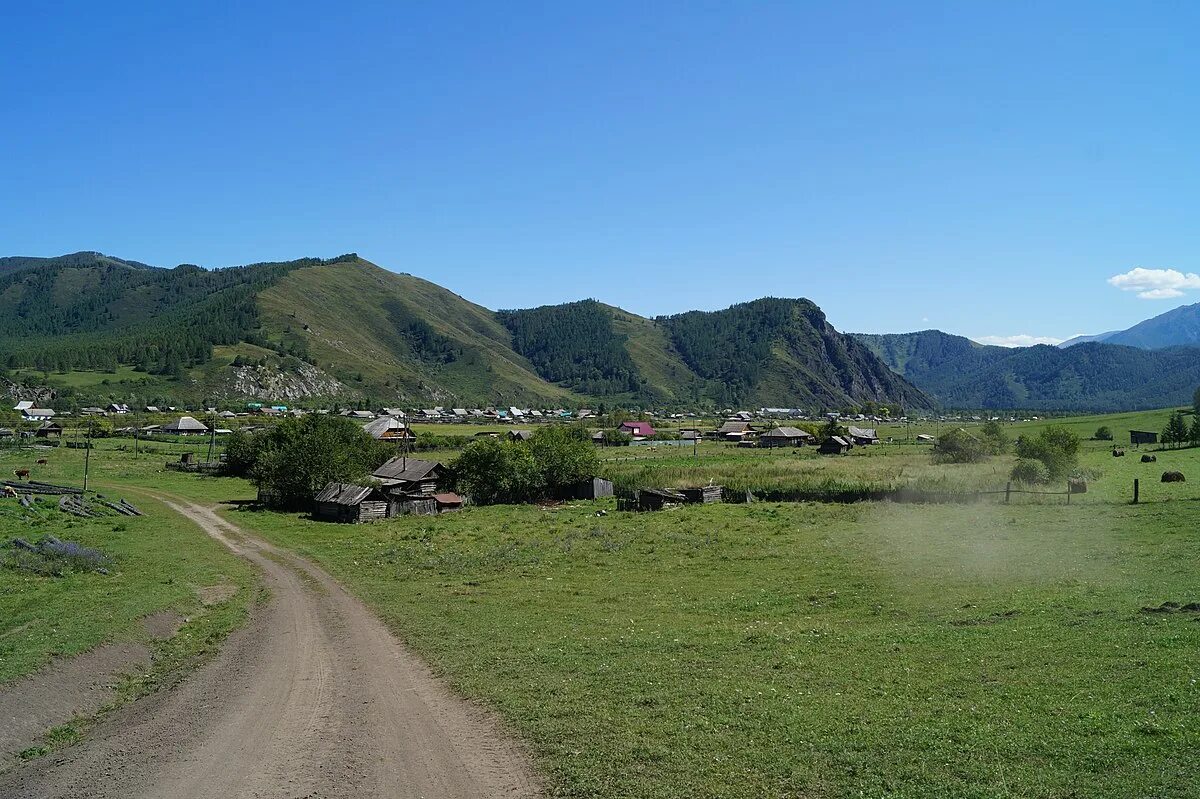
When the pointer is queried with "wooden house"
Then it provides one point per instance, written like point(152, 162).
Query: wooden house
point(350, 504)
point(388, 428)
point(405, 475)
point(519, 435)
point(862, 435)
point(735, 430)
point(786, 437)
point(49, 430)
point(834, 445)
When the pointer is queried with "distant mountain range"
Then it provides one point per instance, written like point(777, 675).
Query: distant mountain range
point(1090, 376)
point(1176, 328)
point(99, 328)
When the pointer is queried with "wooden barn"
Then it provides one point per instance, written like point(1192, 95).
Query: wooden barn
point(520, 435)
point(388, 428)
point(834, 445)
point(786, 437)
point(406, 475)
point(350, 504)
point(1142, 437)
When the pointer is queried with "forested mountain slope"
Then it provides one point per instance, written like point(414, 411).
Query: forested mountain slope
point(1090, 376)
point(346, 330)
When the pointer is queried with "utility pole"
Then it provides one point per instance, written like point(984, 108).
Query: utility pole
point(212, 438)
point(87, 454)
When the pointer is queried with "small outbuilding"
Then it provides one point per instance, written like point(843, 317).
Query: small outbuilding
point(520, 435)
point(448, 501)
point(350, 504)
point(388, 428)
point(49, 430)
point(592, 488)
point(834, 445)
point(659, 498)
point(1142, 437)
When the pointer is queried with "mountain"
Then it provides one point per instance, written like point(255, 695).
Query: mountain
point(346, 330)
point(1092, 376)
point(1071, 342)
point(1179, 327)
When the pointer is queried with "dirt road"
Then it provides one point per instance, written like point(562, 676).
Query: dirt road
point(314, 698)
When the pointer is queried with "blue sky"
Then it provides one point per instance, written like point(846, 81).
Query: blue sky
point(983, 168)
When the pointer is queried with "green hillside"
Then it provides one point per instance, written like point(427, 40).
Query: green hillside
point(95, 329)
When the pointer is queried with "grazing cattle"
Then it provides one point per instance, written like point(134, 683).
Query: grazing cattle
point(1149, 459)
point(1118, 453)
point(22, 473)
point(1173, 477)
point(42, 461)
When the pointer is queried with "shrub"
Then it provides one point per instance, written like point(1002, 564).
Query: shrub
point(494, 472)
point(959, 446)
point(1056, 447)
point(1103, 433)
point(1030, 471)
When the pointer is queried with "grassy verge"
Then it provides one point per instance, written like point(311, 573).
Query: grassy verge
point(806, 650)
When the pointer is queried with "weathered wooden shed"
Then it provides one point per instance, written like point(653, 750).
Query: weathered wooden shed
point(402, 504)
point(592, 488)
point(49, 430)
point(862, 435)
point(1142, 437)
point(659, 498)
point(834, 445)
point(350, 504)
point(702, 495)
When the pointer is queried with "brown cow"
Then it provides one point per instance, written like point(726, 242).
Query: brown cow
point(22, 473)
point(42, 461)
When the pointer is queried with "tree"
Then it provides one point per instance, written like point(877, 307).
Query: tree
point(959, 446)
point(994, 437)
point(1176, 431)
point(1196, 401)
point(1056, 447)
point(1103, 433)
point(1030, 471)
point(296, 458)
point(1194, 432)
point(564, 456)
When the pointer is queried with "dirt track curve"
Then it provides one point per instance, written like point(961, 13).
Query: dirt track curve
point(314, 698)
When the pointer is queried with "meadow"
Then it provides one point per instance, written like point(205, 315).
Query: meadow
point(775, 649)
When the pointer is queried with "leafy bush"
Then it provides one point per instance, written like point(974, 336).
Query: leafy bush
point(959, 446)
point(1103, 433)
point(1030, 471)
point(493, 472)
point(1056, 447)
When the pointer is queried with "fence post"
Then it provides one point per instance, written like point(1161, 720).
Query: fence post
point(1135, 491)
point(1007, 491)
point(1068, 492)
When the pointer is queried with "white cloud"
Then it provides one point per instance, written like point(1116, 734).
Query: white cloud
point(1019, 340)
point(1156, 284)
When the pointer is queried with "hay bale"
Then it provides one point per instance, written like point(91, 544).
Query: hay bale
point(1077, 485)
point(1149, 459)
point(1118, 453)
point(1173, 477)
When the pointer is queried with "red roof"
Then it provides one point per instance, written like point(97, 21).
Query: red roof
point(638, 428)
point(448, 498)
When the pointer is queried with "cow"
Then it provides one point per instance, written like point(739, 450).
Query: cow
point(42, 462)
point(1118, 453)
point(23, 474)
point(1149, 459)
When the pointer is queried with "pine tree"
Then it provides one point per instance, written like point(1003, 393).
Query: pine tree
point(1194, 431)
point(1176, 431)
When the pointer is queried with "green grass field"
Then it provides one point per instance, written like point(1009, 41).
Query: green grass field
point(786, 649)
